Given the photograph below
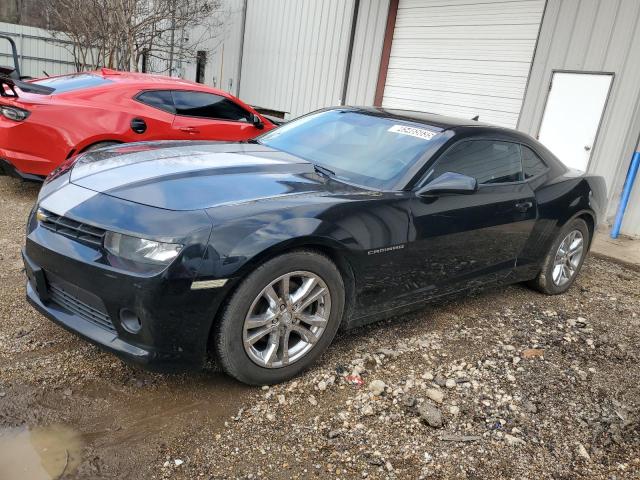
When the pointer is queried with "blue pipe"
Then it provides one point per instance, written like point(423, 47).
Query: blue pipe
point(626, 193)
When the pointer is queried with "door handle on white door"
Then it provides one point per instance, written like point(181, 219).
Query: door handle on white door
point(587, 148)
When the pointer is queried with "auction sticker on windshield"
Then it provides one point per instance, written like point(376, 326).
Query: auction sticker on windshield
point(413, 131)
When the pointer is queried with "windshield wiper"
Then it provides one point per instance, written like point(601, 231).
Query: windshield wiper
point(327, 172)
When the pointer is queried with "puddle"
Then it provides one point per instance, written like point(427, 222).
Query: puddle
point(129, 418)
point(116, 424)
point(38, 453)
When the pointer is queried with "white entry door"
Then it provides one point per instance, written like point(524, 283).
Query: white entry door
point(572, 115)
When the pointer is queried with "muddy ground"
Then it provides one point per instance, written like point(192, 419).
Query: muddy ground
point(504, 384)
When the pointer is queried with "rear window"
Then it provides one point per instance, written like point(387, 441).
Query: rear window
point(531, 163)
point(76, 81)
point(161, 99)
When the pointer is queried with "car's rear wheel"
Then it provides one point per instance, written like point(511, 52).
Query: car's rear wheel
point(280, 319)
point(564, 259)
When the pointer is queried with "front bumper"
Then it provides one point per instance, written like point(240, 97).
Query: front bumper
point(96, 335)
point(87, 298)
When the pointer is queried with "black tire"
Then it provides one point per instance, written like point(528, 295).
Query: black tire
point(544, 281)
point(98, 145)
point(228, 332)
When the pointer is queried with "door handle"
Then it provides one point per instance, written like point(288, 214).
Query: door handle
point(192, 130)
point(524, 206)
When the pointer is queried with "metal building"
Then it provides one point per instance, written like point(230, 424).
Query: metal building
point(39, 52)
point(565, 71)
point(598, 41)
point(319, 53)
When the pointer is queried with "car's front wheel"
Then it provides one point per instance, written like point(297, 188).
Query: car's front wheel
point(281, 318)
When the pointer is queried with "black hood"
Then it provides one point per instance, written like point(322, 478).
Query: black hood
point(195, 175)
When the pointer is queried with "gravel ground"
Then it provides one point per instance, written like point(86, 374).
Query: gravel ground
point(503, 384)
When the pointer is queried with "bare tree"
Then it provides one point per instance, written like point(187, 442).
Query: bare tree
point(118, 33)
point(19, 10)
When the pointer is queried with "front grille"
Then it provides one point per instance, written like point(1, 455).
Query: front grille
point(73, 304)
point(71, 228)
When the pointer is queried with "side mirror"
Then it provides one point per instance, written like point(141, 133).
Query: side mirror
point(255, 119)
point(449, 182)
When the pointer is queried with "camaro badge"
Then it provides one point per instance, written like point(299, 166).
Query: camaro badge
point(385, 249)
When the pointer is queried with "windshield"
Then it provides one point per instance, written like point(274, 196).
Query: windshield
point(76, 81)
point(359, 146)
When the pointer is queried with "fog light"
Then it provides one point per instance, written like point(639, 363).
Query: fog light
point(130, 321)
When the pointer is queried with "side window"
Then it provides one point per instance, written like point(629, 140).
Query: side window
point(208, 105)
point(161, 99)
point(531, 163)
point(488, 161)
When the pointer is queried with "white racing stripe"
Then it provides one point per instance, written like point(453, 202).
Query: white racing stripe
point(118, 172)
point(67, 198)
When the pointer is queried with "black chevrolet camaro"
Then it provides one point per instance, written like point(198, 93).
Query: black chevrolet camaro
point(259, 252)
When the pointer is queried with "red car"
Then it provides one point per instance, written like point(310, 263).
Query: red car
point(44, 122)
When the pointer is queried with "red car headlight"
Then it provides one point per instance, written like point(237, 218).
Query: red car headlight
point(14, 113)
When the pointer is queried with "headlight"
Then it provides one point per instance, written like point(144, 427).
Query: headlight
point(13, 113)
point(140, 249)
point(63, 168)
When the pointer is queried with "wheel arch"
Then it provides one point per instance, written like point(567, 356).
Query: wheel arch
point(88, 144)
point(330, 248)
point(589, 217)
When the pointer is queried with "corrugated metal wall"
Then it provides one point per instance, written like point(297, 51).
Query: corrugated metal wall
point(37, 49)
point(295, 53)
point(367, 51)
point(223, 49)
point(463, 57)
point(595, 36)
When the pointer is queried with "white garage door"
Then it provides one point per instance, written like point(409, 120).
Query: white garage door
point(463, 57)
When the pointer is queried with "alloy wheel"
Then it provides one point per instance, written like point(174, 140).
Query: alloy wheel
point(568, 258)
point(286, 319)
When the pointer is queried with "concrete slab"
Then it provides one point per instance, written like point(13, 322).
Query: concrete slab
point(623, 249)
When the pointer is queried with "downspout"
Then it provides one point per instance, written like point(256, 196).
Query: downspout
point(244, 25)
point(352, 37)
point(626, 192)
